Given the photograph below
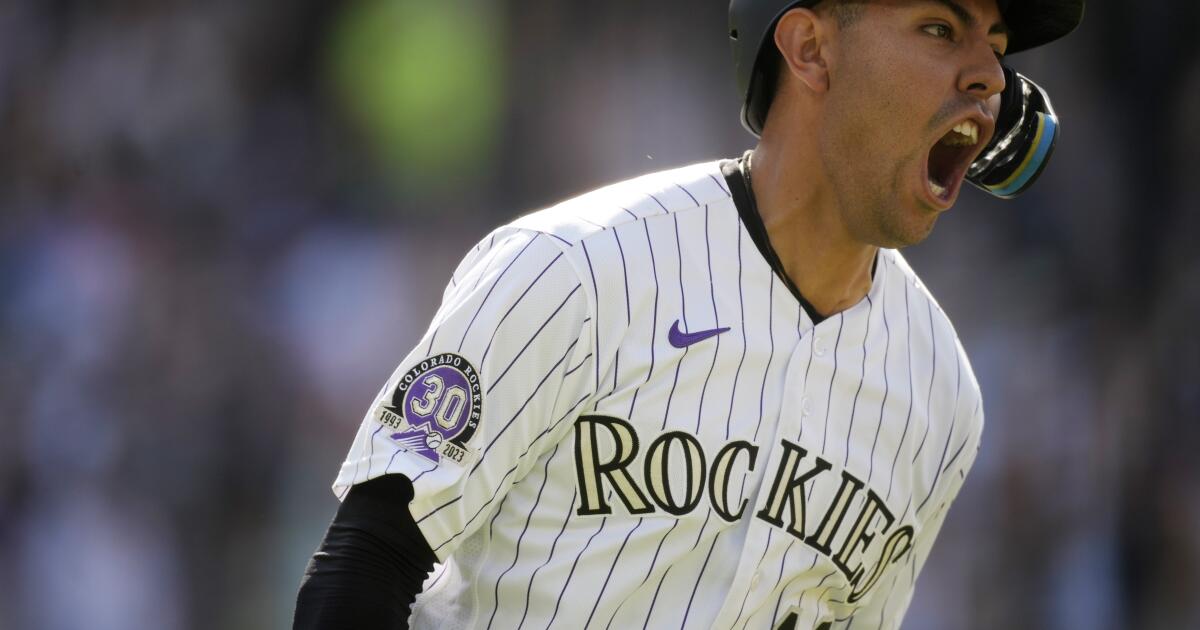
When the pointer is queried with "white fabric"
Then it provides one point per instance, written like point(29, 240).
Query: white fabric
point(565, 316)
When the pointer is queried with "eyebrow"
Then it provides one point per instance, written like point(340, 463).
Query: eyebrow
point(999, 28)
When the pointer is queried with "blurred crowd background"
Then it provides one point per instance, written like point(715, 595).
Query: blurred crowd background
point(222, 223)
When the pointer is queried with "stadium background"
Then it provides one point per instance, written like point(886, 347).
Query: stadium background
point(223, 222)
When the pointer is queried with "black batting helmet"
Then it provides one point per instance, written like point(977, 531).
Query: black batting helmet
point(752, 24)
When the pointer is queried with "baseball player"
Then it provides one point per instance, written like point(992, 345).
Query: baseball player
point(712, 397)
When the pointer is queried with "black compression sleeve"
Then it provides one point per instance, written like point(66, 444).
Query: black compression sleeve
point(371, 565)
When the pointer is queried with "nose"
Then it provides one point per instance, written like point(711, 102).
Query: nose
point(982, 75)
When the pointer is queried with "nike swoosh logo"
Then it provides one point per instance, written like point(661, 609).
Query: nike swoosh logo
point(680, 339)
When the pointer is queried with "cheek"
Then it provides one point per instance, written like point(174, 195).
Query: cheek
point(880, 109)
point(878, 120)
point(861, 114)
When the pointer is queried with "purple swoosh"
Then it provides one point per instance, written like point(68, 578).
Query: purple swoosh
point(680, 339)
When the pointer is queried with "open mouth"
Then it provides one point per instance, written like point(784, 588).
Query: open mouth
point(950, 157)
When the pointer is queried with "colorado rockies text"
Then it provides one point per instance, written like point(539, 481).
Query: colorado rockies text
point(786, 506)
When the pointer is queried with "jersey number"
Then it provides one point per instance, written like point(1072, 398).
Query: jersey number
point(447, 402)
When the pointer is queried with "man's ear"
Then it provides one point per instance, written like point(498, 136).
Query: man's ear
point(802, 39)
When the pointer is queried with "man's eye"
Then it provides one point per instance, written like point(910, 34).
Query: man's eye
point(938, 30)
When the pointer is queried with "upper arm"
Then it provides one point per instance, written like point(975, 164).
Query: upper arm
point(490, 386)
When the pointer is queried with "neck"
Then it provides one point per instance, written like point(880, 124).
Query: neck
point(827, 264)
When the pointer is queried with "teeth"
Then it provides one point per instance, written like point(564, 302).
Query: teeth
point(969, 131)
point(964, 134)
point(937, 189)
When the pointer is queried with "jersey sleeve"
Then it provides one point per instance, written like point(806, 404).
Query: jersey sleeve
point(885, 609)
point(493, 384)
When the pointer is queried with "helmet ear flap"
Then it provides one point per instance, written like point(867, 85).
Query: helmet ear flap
point(755, 58)
point(762, 90)
point(1026, 132)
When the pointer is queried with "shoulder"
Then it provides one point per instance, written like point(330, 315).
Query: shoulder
point(931, 333)
point(557, 245)
point(666, 192)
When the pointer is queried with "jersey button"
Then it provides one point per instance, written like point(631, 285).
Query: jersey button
point(819, 346)
point(806, 406)
point(755, 579)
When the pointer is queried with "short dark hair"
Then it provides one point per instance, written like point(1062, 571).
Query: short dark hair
point(845, 12)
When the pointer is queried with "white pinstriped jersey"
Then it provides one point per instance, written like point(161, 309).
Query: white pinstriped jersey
point(621, 417)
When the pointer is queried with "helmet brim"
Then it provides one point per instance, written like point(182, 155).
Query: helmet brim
point(1032, 23)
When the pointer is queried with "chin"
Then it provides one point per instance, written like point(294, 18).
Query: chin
point(893, 233)
point(895, 220)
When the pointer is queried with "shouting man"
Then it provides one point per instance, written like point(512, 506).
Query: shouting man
point(717, 396)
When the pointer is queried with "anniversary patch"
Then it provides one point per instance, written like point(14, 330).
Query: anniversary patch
point(435, 408)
